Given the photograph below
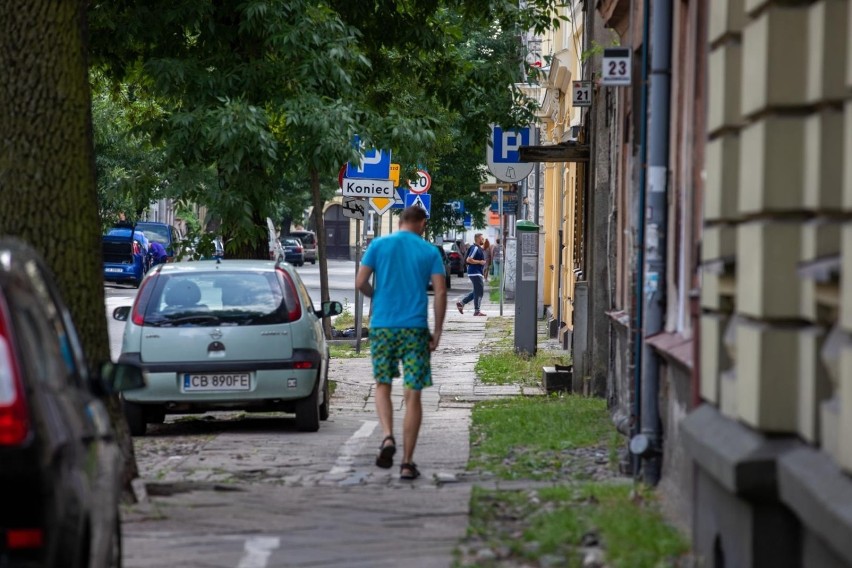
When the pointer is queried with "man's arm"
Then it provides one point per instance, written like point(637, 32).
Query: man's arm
point(362, 280)
point(439, 285)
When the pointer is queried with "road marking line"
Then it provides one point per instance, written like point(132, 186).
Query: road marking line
point(352, 446)
point(258, 549)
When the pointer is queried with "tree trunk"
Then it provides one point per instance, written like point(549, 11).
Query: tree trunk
point(47, 164)
point(319, 223)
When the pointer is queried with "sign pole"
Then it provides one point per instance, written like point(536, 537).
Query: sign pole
point(359, 306)
point(502, 240)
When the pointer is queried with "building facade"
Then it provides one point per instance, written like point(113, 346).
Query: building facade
point(701, 261)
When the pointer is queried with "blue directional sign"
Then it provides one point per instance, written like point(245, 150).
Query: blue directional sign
point(399, 203)
point(422, 200)
point(468, 220)
point(457, 206)
point(375, 164)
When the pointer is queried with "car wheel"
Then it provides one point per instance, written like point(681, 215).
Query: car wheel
point(308, 412)
point(135, 416)
point(115, 545)
point(155, 414)
point(325, 407)
point(136, 282)
point(449, 282)
point(314, 261)
point(461, 274)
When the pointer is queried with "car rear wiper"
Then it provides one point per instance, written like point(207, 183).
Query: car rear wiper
point(193, 318)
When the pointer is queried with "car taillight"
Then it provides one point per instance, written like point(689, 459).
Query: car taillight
point(136, 315)
point(303, 365)
point(14, 415)
point(291, 297)
point(17, 539)
point(298, 249)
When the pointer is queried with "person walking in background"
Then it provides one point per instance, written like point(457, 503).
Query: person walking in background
point(475, 261)
point(486, 248)
point(404, 264)
point(497, 258)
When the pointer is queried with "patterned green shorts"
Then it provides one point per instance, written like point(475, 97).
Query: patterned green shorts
point(389, 346)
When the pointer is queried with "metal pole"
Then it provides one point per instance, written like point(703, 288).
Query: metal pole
point(502, 240)
point(654, 274)
point(359, 307)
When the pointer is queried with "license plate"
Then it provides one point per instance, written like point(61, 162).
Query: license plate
point(216, 382)
point(114, 269)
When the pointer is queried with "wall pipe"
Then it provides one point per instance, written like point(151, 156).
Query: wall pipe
point(654, 294)
point(640, 239)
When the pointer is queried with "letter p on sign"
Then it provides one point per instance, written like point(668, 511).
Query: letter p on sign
point(511, 143)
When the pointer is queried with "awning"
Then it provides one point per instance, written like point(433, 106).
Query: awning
point(563, 152)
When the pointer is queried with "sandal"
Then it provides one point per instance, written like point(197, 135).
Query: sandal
point(408, 471)
point(386, 452)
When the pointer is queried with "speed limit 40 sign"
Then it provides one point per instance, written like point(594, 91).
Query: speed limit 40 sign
point(421, 184)
point(616, 67)
point(582, 93)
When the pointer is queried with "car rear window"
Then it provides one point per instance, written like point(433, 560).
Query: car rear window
point(218, 298)
point(159, 233)
point(306, 238)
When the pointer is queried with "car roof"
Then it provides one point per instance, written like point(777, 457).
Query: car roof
point(189, 267)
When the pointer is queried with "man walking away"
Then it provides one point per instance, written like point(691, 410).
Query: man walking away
point(404, 264)
point(475, 261)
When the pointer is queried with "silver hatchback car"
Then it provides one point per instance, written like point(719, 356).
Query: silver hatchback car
point(235, 334)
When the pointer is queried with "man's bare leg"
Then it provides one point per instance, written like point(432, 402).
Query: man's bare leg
point(411, 423)
point(384, 408)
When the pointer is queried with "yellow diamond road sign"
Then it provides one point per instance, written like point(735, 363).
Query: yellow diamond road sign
point(381, 204)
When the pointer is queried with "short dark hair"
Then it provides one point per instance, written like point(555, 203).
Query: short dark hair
point(413, 214)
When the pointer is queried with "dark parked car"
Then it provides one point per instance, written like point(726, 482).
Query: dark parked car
point(161, 233)
point(457, 266)
point(446, 260)
point(125, 256)
point(309, 241)
point(60, 467)
point(294, 252)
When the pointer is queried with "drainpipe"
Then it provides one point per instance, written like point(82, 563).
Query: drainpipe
point(640, 250)
point(654, 294)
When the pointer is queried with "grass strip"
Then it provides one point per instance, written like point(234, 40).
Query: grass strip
point(560, 522)
point(505, 367)
point(347, 351)
point(532, 437)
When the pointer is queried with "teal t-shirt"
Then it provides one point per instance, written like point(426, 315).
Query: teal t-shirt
point(403, 264)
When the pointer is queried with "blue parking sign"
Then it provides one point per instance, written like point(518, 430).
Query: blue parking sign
point(375, 164)
point(507, 144)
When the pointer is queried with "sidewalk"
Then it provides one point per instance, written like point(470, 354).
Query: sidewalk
point(340, 510)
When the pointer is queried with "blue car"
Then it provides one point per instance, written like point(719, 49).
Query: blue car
point(125, 256)
point(294, 252)
point(162, 233)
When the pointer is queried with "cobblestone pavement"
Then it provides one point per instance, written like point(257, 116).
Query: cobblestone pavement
point(249, 491)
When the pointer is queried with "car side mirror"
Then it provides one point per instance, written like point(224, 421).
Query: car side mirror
point(119, 377)
point(331, 308)
point(121, 313)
